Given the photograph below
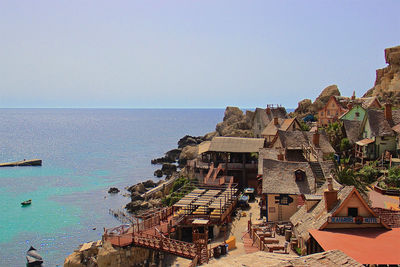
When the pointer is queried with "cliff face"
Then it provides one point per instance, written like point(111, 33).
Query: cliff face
point(387, 83)
point(235, 123)
point(305, 106)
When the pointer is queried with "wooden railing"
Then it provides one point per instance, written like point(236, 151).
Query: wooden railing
point(176, 247)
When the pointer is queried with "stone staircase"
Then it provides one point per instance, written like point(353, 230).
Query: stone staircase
point(318, 173)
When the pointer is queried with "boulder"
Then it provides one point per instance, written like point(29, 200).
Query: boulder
point(149, 184)
point(304, 106)
point(134, 206)
point(168, 168)
point(209, 136)
point(158, 173)
point(136, 196)
point(188, 140)
point(235, 123)
point(137, 188)
point(173, 154)
point(113, 190)
point(189, 152)
point(162, 160)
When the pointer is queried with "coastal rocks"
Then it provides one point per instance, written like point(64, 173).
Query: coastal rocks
point(235, 123)
point(387, 83)
point(209, 136)
point(149, 184)
point(113, 190)
point(107, 255)
point(158, 173)
point(306, 107)
point(188, 153)
point(188, 140)
point(120, 257)
point(168, 168)
point(136, 196)
point(139, 188)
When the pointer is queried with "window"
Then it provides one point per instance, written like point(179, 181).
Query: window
point(333, 105)
point(322, 113)
point(299, 175)
point(328, 113)
point(352, 212)
point(357, 114)
point(284, 200)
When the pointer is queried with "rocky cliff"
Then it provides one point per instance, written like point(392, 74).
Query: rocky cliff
point(235, 123)
point(387, 83)
point(306, 106)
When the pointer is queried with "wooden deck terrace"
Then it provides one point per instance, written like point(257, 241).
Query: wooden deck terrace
point(157, 242)
point(212, 203)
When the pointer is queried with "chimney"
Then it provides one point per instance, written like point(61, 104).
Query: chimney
point(281, 157)
point(388, 112)
point(268, 110)
point(353, 97)
point(330, 195)
point(276, 121)
point(315, 138)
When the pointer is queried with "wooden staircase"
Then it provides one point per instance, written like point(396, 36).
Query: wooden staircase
point(318, 173)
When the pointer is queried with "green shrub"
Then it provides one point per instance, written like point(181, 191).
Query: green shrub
point(369, 173)
point(393, 179)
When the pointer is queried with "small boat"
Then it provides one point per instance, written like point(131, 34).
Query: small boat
point(33, 258)
point(26, 202)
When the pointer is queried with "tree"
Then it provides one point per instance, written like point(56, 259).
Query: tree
point(334, 132)
point(369, 173)
point(393, 178)
point(347, 176)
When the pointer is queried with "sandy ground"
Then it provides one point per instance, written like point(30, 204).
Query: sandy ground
point(237, 228)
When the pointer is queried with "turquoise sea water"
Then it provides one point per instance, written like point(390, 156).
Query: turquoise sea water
point(84, 152)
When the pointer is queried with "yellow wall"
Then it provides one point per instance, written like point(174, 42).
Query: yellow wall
point(287, 210)
point(354, 202)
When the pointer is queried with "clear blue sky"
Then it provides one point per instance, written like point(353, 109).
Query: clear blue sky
point(189, 53)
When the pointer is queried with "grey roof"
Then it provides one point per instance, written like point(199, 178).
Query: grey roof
point(234, 144)
point(330, 258)
point(295, 140)
point(379, 125)
point(352, 130)
point(317, 216)
point(279, 178)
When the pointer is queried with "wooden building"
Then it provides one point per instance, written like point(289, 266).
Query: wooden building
point(341, 219)
point(228, 157)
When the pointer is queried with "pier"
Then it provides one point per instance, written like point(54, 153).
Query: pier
point(30, 162)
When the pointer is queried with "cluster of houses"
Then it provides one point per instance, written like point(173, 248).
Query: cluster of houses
point(292, 171)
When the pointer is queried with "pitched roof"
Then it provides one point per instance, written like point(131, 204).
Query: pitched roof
point(272, 128)
point(379, 125)
point(304, 221)
point(297, 139)
point(316, 218)
point(232, 144)
point(366, 102)
point(279, 178)
point(365, 245)
point(331, 258)
point(352, 130)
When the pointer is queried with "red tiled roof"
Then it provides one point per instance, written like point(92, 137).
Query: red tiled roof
point(365, 245)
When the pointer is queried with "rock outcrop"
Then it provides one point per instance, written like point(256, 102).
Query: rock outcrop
point(113, 190)
point(305, 106)
point(235, 123)
point(107, 255)
point(387, 83)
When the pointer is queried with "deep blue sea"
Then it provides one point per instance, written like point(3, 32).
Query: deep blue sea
point(84, 153)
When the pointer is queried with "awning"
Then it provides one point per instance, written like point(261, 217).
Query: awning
point(364, 142)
